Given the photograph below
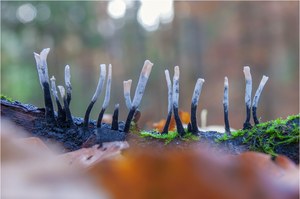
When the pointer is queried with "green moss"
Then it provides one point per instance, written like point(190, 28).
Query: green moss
point(6, 98)
point(265, 137)
point(170, 136)
point(190, 137)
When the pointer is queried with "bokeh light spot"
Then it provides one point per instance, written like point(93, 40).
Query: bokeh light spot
point(116, 9)
point(26, 13)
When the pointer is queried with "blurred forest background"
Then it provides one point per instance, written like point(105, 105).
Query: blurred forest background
point(206, 39)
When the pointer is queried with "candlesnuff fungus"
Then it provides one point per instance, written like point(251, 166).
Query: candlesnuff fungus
point(42, 68)
point(69, 118)
point(68, 83)
point(60, 112)
point(139, 91)
point(256, 97)
point(194, 104)
point(96, 94)
point(248, 92)
point(169, 84)
point(107, 96)
point(226, 106)
point(175, 99)
point(115, 131)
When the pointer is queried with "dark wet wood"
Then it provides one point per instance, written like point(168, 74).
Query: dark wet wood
point(23, 115)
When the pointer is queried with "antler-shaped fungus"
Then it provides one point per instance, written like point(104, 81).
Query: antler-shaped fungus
point(169, 84)
point(139, 91)
point(194, 104)
point(175, 99)
point(96, 94)
point(248, 92)
point(60, 112)
point(107, 96)
point(256, 97)
point(226, 106)
point(42, 68)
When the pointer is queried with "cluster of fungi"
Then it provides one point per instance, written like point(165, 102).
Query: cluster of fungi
point(117, 130)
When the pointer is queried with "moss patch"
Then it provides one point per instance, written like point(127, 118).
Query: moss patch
point(170, 136)
point(4, 97)
point(269, 137)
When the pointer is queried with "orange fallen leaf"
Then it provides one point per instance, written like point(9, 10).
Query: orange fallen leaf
point(184, 116)
point(195, 174)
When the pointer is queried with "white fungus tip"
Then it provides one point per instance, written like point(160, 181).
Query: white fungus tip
point(225, 81)
point(52, 78)
point(103, 70)
point(147, 68)
point(264, 79)
point(117, 106)
point(44, 53)
point(61, 90)
point(201, 80)
point(167, 72)
point(109, 70)
point(127, 86)
point(36, 54)
point(176, 72)
point(247, 72)
point(67, 75)
point(37, 59)
point(102, 66)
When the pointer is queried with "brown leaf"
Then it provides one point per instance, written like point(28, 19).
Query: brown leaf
point(192, 174)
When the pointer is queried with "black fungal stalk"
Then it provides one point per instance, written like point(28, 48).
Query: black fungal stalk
point(96, 94)
point(248, 91)
point(69, 119)
point(115, 119)
point(139, 91)
point(194, 104)
point(107, 96)
point(175, 97)
point(42, 68)
point(256, 98)
point(169, 84)
point(226, 106)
